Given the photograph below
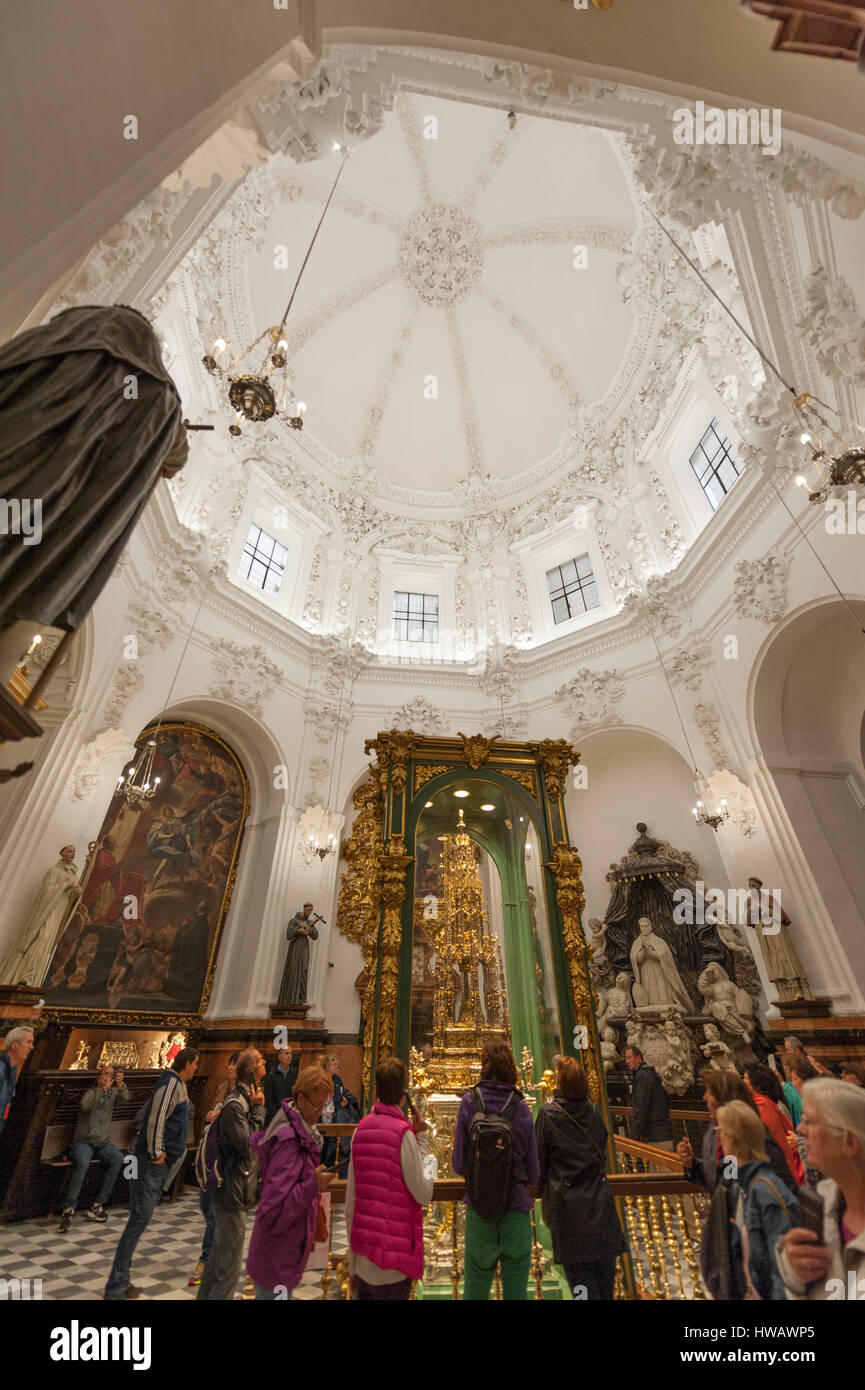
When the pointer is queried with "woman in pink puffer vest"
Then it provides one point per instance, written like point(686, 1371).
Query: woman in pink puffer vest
point(387, 1190)
point(292, 1180)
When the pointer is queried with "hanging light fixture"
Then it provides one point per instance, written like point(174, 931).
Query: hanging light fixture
point(137, 784)
point(707, 811)
point(264, 389)
point(845, 467)
point(319, 840)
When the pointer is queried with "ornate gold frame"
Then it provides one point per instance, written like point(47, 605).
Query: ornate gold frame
point(373, 886)
point(144, 1018)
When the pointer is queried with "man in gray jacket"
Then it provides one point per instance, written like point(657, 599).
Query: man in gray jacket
point(242, 1110)
point(91, 1139)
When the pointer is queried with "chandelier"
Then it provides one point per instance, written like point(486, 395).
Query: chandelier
point(137, 785)
point(841, 465)
point(706, 811)
point(317, 839)
point(264, 389)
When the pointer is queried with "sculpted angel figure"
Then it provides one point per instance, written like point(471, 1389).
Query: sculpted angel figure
point(732, 1006)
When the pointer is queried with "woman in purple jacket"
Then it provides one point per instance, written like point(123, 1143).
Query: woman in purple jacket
point(509, 1238)
point(292, 1180)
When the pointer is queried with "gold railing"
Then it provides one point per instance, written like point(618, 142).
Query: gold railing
point(662, 1210)
point(664, 1214)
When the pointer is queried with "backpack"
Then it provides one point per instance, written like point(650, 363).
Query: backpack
point(209, 1161)
point(490, 1175)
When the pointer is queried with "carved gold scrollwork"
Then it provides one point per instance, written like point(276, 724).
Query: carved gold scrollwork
point(393, 748)
point(525, 778)
point(567, 871)
point(476, 749)
point(359, 906)
point(425, 773)
point(394, 862)
point(556, 756)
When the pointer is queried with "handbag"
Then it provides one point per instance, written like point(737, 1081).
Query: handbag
point(320, 1233)
point(554, 1105)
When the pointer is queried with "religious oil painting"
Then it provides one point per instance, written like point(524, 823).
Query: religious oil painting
point(157, 884)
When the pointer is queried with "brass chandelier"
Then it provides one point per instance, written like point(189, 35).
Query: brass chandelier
point(264, 389)
point(845, 467)
point(839, 465)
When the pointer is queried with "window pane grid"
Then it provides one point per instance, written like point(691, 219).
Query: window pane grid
point(415, 617)
point(715, 465)
point(263, 560)
point(572, 589)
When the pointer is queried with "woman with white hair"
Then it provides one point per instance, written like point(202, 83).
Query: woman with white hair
point(833, 1126)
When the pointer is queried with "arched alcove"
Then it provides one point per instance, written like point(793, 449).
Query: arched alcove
point(807, 708)
point(632, 775)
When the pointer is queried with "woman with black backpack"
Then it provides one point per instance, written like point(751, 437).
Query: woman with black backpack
point(578, 1203)
point(495, 1149)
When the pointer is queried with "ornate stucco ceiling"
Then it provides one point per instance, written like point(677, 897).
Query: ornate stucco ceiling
point(446, 324)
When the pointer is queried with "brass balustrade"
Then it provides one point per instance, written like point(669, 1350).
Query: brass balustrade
point(665, 1216)
point(662, 1209)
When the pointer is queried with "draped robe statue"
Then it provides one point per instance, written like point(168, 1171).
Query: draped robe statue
point(299, 932)
point(89, 421)
point(29, 959)
point(656, 980)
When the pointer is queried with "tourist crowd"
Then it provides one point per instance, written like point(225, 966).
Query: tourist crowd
point(782, 1159)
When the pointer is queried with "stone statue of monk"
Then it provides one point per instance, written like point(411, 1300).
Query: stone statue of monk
point(299, 932)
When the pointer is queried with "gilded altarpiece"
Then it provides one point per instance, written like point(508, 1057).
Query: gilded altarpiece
point(512, 796)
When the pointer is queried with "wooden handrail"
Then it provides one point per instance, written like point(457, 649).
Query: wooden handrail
point(336, 1131)
point(623, 1185)
point(665, 1158)
point(696, 1116)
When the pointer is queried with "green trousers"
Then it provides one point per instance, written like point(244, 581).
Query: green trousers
point(487, 1242)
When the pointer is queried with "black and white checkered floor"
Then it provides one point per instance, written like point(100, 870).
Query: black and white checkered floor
point(75, 1265)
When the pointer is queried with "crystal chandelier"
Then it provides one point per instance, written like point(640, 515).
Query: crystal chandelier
point(845, 467)
point(706, 811)
point(319, 841)
point(264, 388)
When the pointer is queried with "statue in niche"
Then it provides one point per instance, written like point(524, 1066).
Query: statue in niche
point(299, 932)
point(655, 881)
point(716, 1052)
point(598, 930)
point(81, 1058)
point(657, 982)
point(617, 1001)
point(746, 973)
point(609, 1049)
point(769, 922)
point(728, 1003)
point(28, 962)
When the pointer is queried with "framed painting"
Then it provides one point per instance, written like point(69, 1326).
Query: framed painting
point(144, 936)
